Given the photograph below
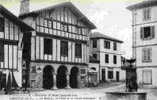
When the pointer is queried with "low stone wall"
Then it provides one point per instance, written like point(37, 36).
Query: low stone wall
point(126, 95)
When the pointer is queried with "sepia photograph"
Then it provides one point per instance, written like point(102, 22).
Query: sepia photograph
point(78, 49)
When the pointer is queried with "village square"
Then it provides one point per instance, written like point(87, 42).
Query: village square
point(57, 50)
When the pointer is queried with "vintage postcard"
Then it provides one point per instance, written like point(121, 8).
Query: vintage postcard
point(78, 49)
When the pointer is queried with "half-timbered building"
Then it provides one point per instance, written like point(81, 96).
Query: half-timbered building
point(58, 46)
point(11, 34)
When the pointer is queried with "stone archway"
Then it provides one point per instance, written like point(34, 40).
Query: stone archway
point(61, 76)
point(48, 77)
point(74, 77)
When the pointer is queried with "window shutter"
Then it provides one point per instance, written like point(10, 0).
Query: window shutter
point(145, 14)
point(1, 52)
point(150, 54)
point(153, 31)
point(142, 32)
point(149, 11)
point(143, 53)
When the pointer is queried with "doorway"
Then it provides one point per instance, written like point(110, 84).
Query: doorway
point(48, 77)
point(103, 72)
point(74, 77)
point(117, 76)
point(61, 77)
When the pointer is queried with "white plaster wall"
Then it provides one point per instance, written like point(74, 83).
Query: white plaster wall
point(139, 57)
point(101, 51)
point(140, 76)
point(139, 41)
point(118, 51)
point(139, 15)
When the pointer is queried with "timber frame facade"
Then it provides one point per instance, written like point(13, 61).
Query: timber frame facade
point(59, 46)
point(11, 35)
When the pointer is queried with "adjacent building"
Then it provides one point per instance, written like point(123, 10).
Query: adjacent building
point(107, 51)
point(12, 31)
point(144, 26)
point(58, 56)
point(93, 71)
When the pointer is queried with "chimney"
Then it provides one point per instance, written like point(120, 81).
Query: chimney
point(24, 7)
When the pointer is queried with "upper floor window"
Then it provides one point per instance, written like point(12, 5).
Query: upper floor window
point(45, 23)
point(95, 56)
point(64, 48)
point(114, 59)
point(78, 50)
point(148, 32)
point(106, 58)
point(114, 46)
point(94, 43)
point(146, 14)
point(147, 54)
point(1, 52)
point(80, 30)
point(107, 44)
point(47, 46)
point(1, 24)
point(64, 27)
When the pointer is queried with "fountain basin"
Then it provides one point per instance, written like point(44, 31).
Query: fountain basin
point(126, 95)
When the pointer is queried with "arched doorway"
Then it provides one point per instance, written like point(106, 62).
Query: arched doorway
point(48, 77)
point(74, 77)
point(61, 77)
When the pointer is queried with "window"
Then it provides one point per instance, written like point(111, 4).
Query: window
point(107, 44)
point(146, 14)
point(1, 52)
point(33, 69)
point(110, 74)
point(146, 55)
point(114, 46)
point(94, 43)
point(83, 71)
point(45, 22)
point(48, 46)
point(54, 25)
point(50, 25)
point(115, 59)
point(147, 76)
point(64, 48)
point(95, 56)
point(2, 24)
point(148, 32)
point(78, 50)
point(73, 29)
point(106, 58)
point(80, 30)
point(64, 27)
point(58, 25)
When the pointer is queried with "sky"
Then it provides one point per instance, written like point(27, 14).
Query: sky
point(110, 16)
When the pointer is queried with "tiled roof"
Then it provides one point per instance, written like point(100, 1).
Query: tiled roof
point(97, 35)
point(14, 19)
point(146, 3)
point(75, 10)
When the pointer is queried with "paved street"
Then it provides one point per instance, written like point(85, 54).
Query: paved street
point(96, 93)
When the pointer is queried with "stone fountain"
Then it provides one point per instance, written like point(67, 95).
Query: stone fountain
point(131, 86)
